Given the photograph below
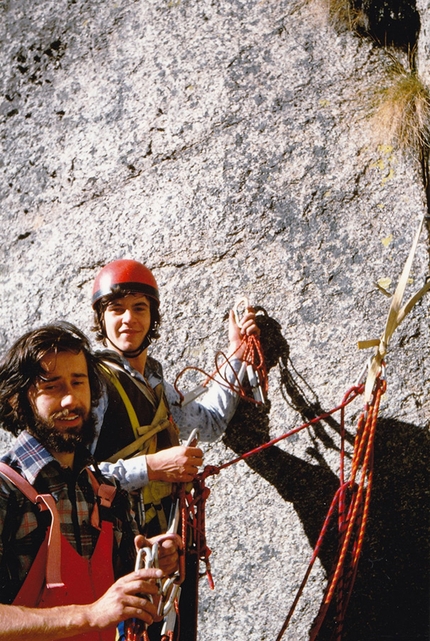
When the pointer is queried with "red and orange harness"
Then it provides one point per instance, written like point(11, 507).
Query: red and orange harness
point(59, 575)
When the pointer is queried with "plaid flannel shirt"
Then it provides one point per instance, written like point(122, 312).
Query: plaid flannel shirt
point(22, 526)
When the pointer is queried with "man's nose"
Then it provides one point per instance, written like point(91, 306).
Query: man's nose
point(127, 316)
point(68, 399)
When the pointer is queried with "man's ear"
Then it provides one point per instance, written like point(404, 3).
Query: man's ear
point(31, 397)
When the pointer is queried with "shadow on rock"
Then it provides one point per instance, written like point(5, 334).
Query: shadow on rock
point(390, 596)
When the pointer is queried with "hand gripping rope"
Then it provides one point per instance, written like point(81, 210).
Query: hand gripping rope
point(351, 500)
point(252, 366)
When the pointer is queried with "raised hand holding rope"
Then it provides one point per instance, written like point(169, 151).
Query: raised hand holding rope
point(248, 349)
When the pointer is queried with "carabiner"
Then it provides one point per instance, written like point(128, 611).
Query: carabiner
point(240, 308)
point(193, 438)
point(254, 381)
point(151, 561)
point(168, 595)
point(151, 554)
point(135, 629)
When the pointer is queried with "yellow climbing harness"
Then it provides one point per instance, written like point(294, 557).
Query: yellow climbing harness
point(146, 439)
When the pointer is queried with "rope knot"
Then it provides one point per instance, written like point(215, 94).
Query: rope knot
point(209, 470)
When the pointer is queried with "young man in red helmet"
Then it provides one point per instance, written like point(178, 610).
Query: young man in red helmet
point(141, 420)
point(126, 304)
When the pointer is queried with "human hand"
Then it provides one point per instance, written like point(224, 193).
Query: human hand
point(177, 464)
point(168, 550)
point(122, 601)
point(236, 334)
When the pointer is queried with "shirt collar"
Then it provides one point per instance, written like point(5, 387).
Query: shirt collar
point(152, 374)
point(31, 457)
point(110, 355)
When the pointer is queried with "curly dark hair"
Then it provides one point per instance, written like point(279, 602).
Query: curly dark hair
point(21, 367)
point(100, 308)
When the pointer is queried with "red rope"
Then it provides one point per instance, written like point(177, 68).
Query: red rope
point(351, 501)
point(350, 396)
point(252, 355)
point(202, 492)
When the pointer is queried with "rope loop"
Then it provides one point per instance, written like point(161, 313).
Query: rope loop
point(253, 365)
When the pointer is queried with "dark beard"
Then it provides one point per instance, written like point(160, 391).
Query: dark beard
point(67, 441)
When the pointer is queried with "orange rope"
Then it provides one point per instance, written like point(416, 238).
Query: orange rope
point(252, 355)
point(360, 501)
point(351, 500)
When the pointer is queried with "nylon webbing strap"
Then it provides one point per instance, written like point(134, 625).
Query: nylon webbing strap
point(44, 502)
point(53, 561)
point(106, 494)
point(128, 406)
point(141, 386)
point(396, 315)
point(136, 446)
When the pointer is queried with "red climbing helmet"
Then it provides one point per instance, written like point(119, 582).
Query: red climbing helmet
point(127, 276)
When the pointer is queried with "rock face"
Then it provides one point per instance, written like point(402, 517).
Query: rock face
point(423, 7)
point(226, 144)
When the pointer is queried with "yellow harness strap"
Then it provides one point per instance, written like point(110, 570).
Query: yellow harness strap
point(137, 447)
point(146, 443)
point(127, 403)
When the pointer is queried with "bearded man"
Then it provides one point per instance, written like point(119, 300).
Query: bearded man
point(66, 532)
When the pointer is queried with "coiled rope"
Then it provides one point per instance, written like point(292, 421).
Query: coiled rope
point(351, 500)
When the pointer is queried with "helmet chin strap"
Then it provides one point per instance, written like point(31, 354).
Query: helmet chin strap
point(137, 352)
point(131, 353)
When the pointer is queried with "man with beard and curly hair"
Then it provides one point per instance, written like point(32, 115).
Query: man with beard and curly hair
point(66, 532)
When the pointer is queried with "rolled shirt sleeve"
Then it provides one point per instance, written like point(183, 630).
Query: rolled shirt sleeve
point(132, 473)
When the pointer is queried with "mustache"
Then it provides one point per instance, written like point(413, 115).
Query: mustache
point(66, 413)
point(63, 441)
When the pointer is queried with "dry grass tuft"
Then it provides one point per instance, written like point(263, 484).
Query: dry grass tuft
point(342, 14)
point(402, 112)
